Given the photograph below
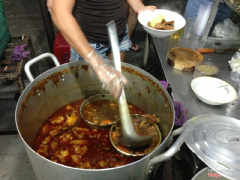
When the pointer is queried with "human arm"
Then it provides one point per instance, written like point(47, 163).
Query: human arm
point(66, 23)
point(138, 6)
point(63, 18)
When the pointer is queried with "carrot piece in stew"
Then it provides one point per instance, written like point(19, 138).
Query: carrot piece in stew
point(123, 149)
point(114, 136)
point(106, 122)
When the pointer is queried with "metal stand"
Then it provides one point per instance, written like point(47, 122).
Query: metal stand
point(146, 51)
point(13, 70)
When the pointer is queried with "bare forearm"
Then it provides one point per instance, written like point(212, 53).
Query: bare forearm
point(138, 6)
point(135, 4)
point(68, 26)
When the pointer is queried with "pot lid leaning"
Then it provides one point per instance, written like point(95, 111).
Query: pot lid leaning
point(215, 140)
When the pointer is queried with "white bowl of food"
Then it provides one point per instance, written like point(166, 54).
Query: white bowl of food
point(154, 22)
point(213, 91)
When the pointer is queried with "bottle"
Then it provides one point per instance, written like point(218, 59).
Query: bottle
point(177, 35)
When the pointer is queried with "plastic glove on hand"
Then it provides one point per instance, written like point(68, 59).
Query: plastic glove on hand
point(112, 79)
point(107, 74)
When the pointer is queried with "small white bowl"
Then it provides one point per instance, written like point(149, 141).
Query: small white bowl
point(213, 91)
point(146, 16)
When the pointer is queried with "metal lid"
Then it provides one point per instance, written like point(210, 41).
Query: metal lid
point(215, 140)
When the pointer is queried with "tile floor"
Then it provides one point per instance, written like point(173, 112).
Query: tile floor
point(14, 162)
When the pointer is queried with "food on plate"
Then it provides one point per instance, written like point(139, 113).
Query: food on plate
point(155, 20)
point(184, 59)
point(144, 125)
point(66, 139)
point(160, 23)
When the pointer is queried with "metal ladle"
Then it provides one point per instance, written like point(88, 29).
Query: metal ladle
point(129, 137)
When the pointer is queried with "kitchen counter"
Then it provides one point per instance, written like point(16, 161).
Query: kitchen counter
point(180, 80)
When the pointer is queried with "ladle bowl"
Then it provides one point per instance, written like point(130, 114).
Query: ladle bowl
point(139, 122)
point(102, 115)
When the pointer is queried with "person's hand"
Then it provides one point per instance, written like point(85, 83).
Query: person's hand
point(144, 8)
point(111, 78)
point(107, 74)
point(49, 6)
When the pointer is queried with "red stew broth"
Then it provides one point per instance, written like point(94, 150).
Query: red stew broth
point(64, 138)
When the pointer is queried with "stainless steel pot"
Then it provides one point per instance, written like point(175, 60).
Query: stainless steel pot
point(64, 84)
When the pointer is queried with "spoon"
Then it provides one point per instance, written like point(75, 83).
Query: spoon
point(129, 137)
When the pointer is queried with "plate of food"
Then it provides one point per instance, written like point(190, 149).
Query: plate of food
point(161, 23)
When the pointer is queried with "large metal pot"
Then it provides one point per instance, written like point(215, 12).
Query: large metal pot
point(64, 84)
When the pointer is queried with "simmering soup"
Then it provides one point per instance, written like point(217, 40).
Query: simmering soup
point(66, 139)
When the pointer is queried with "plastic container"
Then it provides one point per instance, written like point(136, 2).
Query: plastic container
point(202, 17)
point(235, 76)
point(205, 69)
point(190, 28)
point(61, 49)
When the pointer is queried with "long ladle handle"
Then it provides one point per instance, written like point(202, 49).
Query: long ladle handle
point(126, 122)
